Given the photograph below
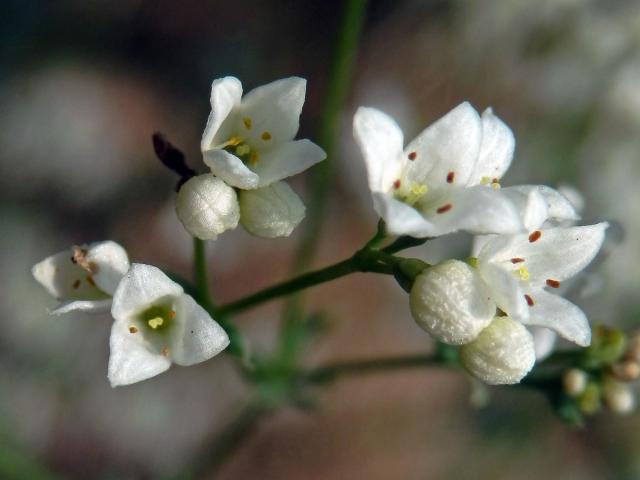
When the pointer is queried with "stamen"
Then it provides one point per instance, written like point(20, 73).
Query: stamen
point(155, 322)
point(495, 180)
point(233, 141)
point(266, 136)
point(133, 329)
point(247, 122)
point(553, 283)
point(90, 281)
point(451, 176)
point(485, 180)
point(517, 260)
point(444, 208)
point(412, 156)
point(165, 351)
point(242, 149)
point(495, 185)
point(529, 300)
point(172, 314)
point(76, 284)
point(535, 236)
point(396, 184)
point(254, 157)
point(523, 273)
point(80, 258)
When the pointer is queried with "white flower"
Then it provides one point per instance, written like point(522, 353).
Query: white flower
point(249, 143)
point(156, 324)
point(83, 277)
point(270, 212)
point(207, 206)
point(502, 354)
point(520, 269)
point(446, 179)
point(449, 301)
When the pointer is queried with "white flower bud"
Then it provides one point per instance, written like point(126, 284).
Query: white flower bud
point(619, 397)
point(270, 212)
point(207, 206)
point(502, 354)
point(449, 301)
point(574, 382)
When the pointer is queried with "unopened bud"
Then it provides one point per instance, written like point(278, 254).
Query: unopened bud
point(619, 397)
point(627, 371)
point(207, 206)
point(590, 401)
point(449, 301)
point(502, 354)
point(574, 382)
point(272, 211)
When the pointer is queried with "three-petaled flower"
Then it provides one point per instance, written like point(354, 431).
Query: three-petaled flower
point(446, 179)
point(249, 143)
point(157, 324)
point(83, 277)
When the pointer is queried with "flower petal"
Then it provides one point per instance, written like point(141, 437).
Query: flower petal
point(112, 263)
point(451, 144)
point(288, 159)
point(199, 337)
point(225, 95)
point(558, 314)
point(558, 207)
point(531, 205)
point(380, 140)
point(556, 253)
point(271, 212)
point(496, 149)
point(230, 169)
point(400, 218)
point(478, 210)
point(275, 108)
point(132, 359)
point(544, 340)
point(88, 306)
point(505, 290)
point(141, 287)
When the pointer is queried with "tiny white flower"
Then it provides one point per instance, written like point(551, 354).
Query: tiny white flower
point(207, 206)
point(270, 212)
point(83, 277)
point(619, 397)
point(449, 301)
point(157, 324)
point(521, 272)
point(249, 141)
point(446, 179)
point(574, 382)
point(502, 354)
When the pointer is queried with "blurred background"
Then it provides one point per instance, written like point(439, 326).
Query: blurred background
point(85, 84)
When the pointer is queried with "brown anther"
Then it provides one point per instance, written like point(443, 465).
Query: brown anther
point(172, 314)
point(80, 258)
point(90, 281)
point(76, 284)
point(265, 136)
point(553, 283)
point(517, 260)
point(444, 208)
point(412, 155)
point(396, 184)
point(529, 300)
point(165, 351)
point(495, 180)
point(535, 236)
point(451, 176)
point(133, 329)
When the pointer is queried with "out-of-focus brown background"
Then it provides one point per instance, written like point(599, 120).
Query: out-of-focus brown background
point(82, 87)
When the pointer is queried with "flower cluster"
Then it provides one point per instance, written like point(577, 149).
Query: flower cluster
point(447, 179)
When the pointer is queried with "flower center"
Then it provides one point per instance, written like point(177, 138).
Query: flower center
point(157, 318)
point(410, 194)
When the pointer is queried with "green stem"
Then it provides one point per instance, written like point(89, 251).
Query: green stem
point(200, 273)
point(362, 261)
point(338, 86)
point(333, 371)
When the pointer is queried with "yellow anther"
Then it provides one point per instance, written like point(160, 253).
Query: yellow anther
point(419, 189)
point(247, 123)
point(495, 185)
point(523, 273)
point(242, 149)
point(233, 141)
point(155, 322)
point(265, 136)
point(485, 180)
